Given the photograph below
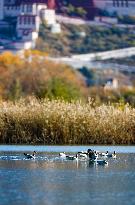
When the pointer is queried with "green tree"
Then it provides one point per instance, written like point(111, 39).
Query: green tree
point(81, 12)
point(58, 88)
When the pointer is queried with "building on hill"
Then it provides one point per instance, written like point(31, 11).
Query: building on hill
point(27, 15)
point(1, 9)
point(119, 7)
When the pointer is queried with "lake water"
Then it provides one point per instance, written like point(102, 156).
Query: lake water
point(49, 180)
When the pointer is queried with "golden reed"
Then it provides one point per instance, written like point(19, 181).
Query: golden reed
point(30, 121)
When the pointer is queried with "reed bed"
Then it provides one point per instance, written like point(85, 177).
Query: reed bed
point(58, 122)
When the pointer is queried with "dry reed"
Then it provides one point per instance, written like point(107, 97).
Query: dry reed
point(58, 122)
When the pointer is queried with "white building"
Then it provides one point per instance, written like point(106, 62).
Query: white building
point(121, 7)
point(28, 15)
point(1, 9)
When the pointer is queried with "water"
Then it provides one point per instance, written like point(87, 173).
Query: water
point(49, 180)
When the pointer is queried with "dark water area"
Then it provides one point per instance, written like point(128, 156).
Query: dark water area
point(50, 180)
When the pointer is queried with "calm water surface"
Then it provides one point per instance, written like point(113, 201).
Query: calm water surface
point(49, 180)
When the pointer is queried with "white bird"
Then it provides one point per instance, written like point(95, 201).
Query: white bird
point(83, 155)
point(62, 154)
point(29, 156)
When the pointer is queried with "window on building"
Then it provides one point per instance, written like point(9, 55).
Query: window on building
point(29, 8)
point(122, 3)
point(118, 3)
point(24, 20)
point(33, 20)
point(114, 1)
point(22, 7)
point(126, 3)
point(20, 20)
point(29, 20)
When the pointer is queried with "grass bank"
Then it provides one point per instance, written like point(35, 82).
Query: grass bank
point(59, 122)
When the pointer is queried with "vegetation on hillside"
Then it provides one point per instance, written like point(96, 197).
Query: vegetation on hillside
point(35, 75)
point(83, 39)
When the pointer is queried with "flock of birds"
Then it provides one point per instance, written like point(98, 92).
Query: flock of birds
point(91, 155)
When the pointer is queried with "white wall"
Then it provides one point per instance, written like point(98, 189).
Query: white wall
point(32, 9)
point(12, 11)
point(121, 10)
point(119, 53)
point(23, 45)
point(26, 22)
point(1, 9)
point(49, 16)
point(99, 4)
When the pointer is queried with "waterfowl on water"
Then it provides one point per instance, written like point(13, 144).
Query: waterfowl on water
point(72, 157)
point(83, 155)
point(113, 155)
point(103, 154)
point(62, 154)
point(29, 156)
point(92, 155)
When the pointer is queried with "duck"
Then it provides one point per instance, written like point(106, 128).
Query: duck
point(103, 154)
point(83, 154)
point(29, 156)
point(93, 155)
point(62, 154)
point(113, 155)
point(68, 157)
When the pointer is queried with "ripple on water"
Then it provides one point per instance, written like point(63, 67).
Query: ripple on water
point(51, 180)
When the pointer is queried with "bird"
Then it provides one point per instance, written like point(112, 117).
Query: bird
point(113, 155)
point(72, 157)
point(29, 156)
point(103, 154)
point(92, 155)
point(96, 154)
point(62, 154)
point(83, 154)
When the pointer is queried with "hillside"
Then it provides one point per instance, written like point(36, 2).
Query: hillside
point(83, 39)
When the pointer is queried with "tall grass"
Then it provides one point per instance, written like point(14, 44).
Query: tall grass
point(58, 122)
